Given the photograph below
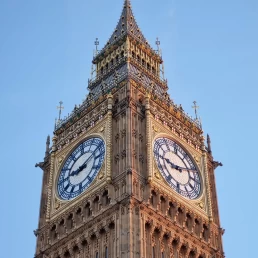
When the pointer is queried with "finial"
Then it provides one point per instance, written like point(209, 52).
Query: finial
point(47, 146)
point(195, 109)
point(159, 52)
point(209, 143)
point(96, 44)
point(127, 3)
point(158, 44)
point(60, 107)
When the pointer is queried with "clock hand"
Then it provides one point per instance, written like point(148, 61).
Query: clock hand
point(175, 166)
point(189, 169)
point(78, 170)
point(172, 165)
point(179, 168)
point(84, 165)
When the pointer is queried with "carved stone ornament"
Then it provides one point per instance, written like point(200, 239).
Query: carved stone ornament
point(197, 159)
point(201, 205)
point(102, 129)
point(155, 129)
point(57, 204)
point(101, 175)
point(60, 160)
point(157, 175)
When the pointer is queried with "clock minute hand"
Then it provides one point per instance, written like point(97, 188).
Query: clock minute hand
point(189, 169)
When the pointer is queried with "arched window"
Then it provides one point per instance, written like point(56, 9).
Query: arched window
point(97, 254)
point(153, 252)
point(69, 222)
point(162, 255)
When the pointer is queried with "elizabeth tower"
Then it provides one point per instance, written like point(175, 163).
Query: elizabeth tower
point(128, 174)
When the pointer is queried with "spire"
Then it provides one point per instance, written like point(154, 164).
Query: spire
point(126, 26)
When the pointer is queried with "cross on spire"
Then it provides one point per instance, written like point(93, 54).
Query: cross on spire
point(96, 44)
point(60, 107)
point(127, 3)
point(195, 109)
point(158, 44)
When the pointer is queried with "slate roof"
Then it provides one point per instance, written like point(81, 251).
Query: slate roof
point(126, 25)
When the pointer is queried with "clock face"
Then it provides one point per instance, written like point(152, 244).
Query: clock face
point(81, 168)
point(177, 168)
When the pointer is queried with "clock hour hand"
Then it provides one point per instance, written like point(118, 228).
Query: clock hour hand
point(173, 165)
point(180, 169)
point(84, 165)
point(77, 171)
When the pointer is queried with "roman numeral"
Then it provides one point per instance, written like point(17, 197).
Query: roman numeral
point(90, 179)
point(96, 167)
point(81, 149)
point(193, 188)
point(169, 177)
point(187, 192)
point(167, 145)
point(178, 187)
point(80, 187)
point(191, 185)
point(185, 156)
point(194, 179)
point(100, 154)
point(61, 181)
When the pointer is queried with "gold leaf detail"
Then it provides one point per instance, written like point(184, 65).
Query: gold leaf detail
point(101, 175)
point(196, 159)
point(57, 204)
point(155, 129)
point(60, 160)
point(201, 205)
point(157, 175)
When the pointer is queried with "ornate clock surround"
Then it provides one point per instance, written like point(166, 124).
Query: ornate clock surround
point(99, 130)
point(202, 202)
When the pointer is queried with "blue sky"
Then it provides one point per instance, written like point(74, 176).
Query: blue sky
point(210, 54)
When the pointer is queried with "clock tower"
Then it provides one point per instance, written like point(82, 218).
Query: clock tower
point(129, 174)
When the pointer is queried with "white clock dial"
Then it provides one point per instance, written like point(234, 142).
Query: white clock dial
point(177, 168)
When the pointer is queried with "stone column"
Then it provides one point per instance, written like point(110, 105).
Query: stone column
point(148, 138)
point(109, 138)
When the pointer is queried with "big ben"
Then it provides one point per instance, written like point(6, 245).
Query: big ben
point(128, 173)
